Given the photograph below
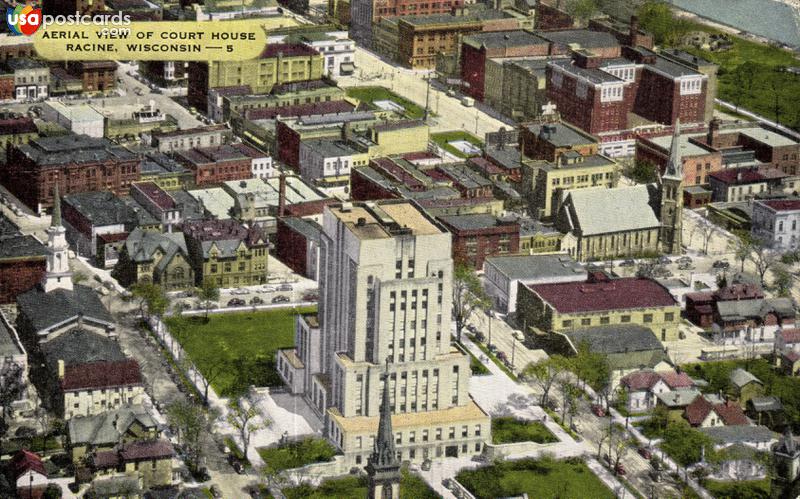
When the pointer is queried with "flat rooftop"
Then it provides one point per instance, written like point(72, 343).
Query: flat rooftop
point(768, 137)
point(527, 267)
point(685, 146)
point(516, 38)
point(384, 219)
point(561, 135)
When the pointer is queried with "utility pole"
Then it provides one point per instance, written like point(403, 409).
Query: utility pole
point(477, 116)
point(427, 98)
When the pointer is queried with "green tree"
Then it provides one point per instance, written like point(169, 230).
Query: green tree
point(642, 172)
point(193, 426)
point(685, 445)
point(208, 293)
point(591, 367)
point(468, 296)
point(782, 281)
point(581, 10)
point(145, 293)
point(242, 416)
point(545, 374)
point(12, 387)
point(657, 18)
point(742, 246)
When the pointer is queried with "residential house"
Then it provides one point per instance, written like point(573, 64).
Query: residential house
point(227, 252)
point(104, 431)
point(703, 413)
point(752, 320)
point(676, 402)
point(599, 301)
point(701, 306)
point(150, 257)
point(628, 348)
point(643, 387)
point(776, 221)
point(766, 410)
point(150, 460)
point(29, 474)
point(502, 275)
point(738, 449)
point(745, 386)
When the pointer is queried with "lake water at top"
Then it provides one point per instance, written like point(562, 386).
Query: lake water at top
point(768, 18)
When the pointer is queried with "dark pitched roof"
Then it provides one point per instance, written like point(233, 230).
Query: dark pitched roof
point(99, 375)
point(604, 294)
point(698, 410)
point(13, 246)
point(782, 204)
point(620, 338)
point(740, 434)
point(731, 414)
point(45, 310)
point(153, 449)
point(105, 428)
point(25, 460)
point(640, 380)
point(79, 346)
point(477, 221)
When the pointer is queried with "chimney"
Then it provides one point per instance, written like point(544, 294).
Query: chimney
point(282, 195)
point(60, 369)
point(713, 132)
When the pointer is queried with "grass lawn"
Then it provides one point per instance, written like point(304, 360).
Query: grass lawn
point(371, 94)
point(442, 140)
point(543, 478)
point(355, 487)
point(755, 489)
point(476, 366)
point(237, 350)
point(297, 454)
point(751, 74)
point(507, 430)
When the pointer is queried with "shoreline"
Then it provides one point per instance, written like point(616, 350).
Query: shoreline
point(733, 30)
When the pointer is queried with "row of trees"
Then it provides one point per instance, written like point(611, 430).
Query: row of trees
point(153, 300)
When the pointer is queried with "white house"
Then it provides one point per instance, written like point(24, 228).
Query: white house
point(328, 162)
point(777, 221)
point(738, 447)
point(643, 387)
point(30, 476)
point(81, 118)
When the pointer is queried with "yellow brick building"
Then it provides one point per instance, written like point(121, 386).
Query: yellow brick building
point(599, 301)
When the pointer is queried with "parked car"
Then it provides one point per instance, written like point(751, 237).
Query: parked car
point(285, 287)
point(480, 337)
point(664, 260)
point(721, 264)
point(310, 297)
point(628, 263)
point(645, 452)
point(598, 410)
point(281, 299)
point(256, 300)
point(501, 356)
point(685, 266)
point(267, 289)
point(236, 302)
point(620, 470)
point(684, 259)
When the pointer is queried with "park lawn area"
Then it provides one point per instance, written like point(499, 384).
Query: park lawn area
point(508, 430)
point(442, 139)
point(297, 454)
point(541, 478)
point(476, 366)
point(355, 487)
point(236, 350)
point(371, 94)
point(753, 489)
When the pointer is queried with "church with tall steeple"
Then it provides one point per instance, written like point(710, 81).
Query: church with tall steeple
point(58, 275)
point(383, 466)
point(626, 222)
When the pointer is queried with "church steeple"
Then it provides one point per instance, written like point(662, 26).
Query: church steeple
point(671, 195)
point(383, 468)
point(674, 168)
point(58, 275)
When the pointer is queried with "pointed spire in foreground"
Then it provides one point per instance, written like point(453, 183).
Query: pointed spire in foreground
point(56, 218)
point(674, 165)
point(384, 453)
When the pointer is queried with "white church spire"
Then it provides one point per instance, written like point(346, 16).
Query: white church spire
point(58, 275)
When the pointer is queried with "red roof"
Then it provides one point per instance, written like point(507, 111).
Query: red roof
point(677, 380)
point(739, 291)
point(792, 356)
point(419, 155)
point(731, 414)
point(604, 294)
point(25, 460)
point(105, 459)
point(152, 449)
point(790, 335)
point(737, 176)
point(640, 380)
point(112, 238)
point(486, 166)
point(156, 194)
point(783, 204)
point(697, 411)
point(97, 375)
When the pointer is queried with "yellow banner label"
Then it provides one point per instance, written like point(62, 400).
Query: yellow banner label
point(153, 41)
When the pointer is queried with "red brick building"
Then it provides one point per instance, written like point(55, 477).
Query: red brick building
point(596, 92)
point(7, 86)
point(23, 261)
point(476, 49)
point(297, 245)
point(698, 160)
point(214, 165)
point(96, 76)
point(476, 237)
point(550, 17)
point(700, 307)
point(627, 34)
point(77, 162)
point(769, 145)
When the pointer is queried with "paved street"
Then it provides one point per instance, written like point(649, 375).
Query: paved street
point(452, 115)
